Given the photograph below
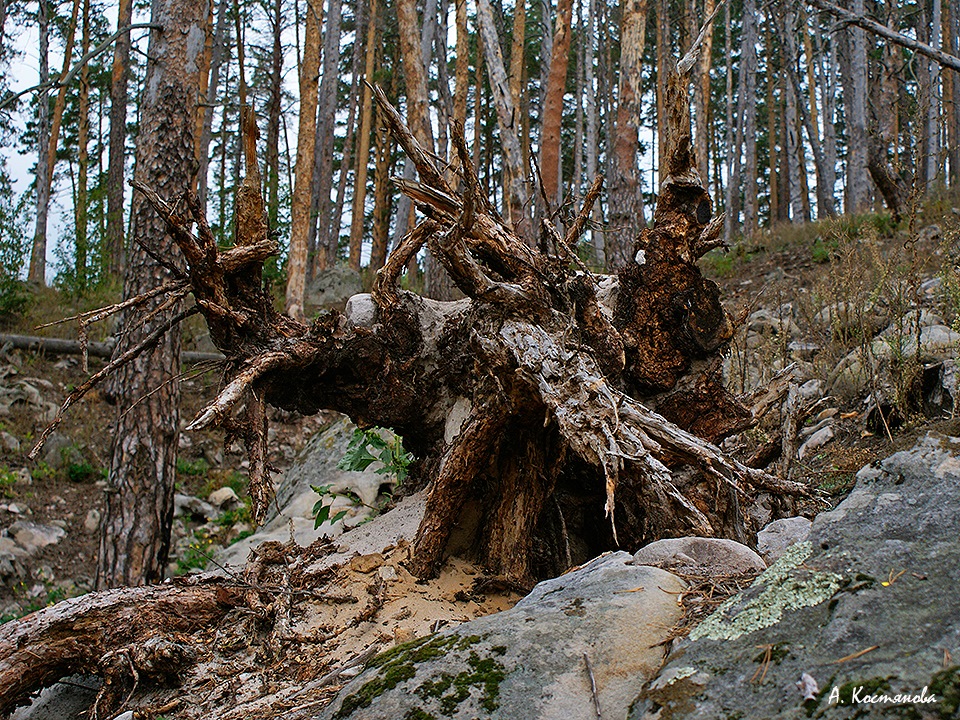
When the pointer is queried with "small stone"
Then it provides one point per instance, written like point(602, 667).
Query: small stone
point(775, 538)
point(816, 441)
point(91, 523)
point(403, 635)
point(9, 442)
point(388, 573)
point(33, 537)
point(703, 557)
point(811, 389)
point(225, 497)
point(366, 563)
point(361, 311)
point(189, 506)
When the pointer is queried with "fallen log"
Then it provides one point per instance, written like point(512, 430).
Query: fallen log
point(61, 346)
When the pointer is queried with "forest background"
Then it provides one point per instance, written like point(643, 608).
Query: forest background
point(797, 116)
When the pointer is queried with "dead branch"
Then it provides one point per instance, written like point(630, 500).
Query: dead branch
point(80, 634)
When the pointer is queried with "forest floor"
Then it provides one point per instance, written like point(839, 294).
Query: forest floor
point(789, 274)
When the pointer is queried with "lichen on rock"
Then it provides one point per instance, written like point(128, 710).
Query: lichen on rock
point(787, 586)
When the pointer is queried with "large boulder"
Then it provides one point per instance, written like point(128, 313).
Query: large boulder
point(316, 465)
point(606, 620)
point(862, 618)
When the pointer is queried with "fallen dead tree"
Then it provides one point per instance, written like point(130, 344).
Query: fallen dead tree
point(553, 413)
point(62, 346)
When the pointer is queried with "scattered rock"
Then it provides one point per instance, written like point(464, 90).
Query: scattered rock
point(816, 441)
point(531, 661)
point(9, 442)
point(361, 311)
point(703, 557)
point(33, 537)
point(366, 563)
point(224, 498)
point(775, 538)
point(189, 506)
point(91, 523)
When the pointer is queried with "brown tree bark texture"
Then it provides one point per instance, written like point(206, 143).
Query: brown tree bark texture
point(79, 635)
point(138, 509)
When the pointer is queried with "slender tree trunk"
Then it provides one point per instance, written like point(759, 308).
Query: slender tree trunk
point(506, 119)
point(793, 149)
point(593, 136)
point(461, 72)
point(953, 79)
point(932, 119)
point(113, 250)
point(138, 514)
point(626, 198)
point(855, 81)
point(773, 156)
point(828, 69)
point(83, 137)
point(664, 55)
point(576, 183)
point(303, 173)
point(550, 157)
point(731, 199)
point(518, 71)
point(363, 152)
point(61, 102)
point(38, 254)
point(746, 121)
point(701, 100)
point(346, 159)
point(320, 245)
point(381, 198)
point(272, 159)
point(221, 37)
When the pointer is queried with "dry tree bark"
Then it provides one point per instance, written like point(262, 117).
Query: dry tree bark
point(139, 627)
point(547, 399)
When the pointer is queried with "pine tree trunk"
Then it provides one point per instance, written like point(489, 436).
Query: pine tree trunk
point(138, 513)
point(303, 174)
point(272, 165)
point(550, 157)
point(507, 118)
point(321, 245)
point(953, 78)
point(932, 119)
point(626, 198)
point(221, 37)
point(113, 250)
point(592, 134)
point(363, 151)
point(701, 100)
point(731, 198)
point(381, 199)
point(83, 137)
point(855, 82)
point(38, 254)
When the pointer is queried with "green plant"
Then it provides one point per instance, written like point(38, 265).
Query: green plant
point(321, 510)
point(194, 468)
point(195, 557)
point(391, 454)
point(84, 471)
point(42, 471)
point(8, 479)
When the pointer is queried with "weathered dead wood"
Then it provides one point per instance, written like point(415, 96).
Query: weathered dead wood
point(88, 634)
point(62, 346)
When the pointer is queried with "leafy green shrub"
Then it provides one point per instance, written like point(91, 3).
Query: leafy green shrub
point(193, 468)
point(396, 461)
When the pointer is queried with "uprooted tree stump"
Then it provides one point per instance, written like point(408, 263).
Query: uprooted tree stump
point(553, 413)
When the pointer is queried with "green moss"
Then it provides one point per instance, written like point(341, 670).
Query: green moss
point(777, 653)
point(946, 685)
point(451, 690)
point(784, 588)
point(418, 714)
point(399, 664)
